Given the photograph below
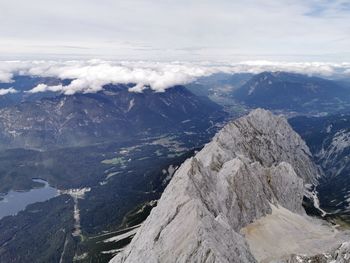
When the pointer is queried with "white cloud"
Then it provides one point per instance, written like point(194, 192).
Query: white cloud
point(7, 91)
point(43, 87)
point(90, 76)
point(5, 77)
point(309, 68)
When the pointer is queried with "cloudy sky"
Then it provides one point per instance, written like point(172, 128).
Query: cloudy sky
point(222, 30)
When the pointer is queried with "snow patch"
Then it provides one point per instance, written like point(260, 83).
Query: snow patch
point(131, 105)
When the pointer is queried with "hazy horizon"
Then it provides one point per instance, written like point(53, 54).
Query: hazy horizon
point(176, 30)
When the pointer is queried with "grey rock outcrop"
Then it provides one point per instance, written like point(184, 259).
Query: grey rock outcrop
point(252, 164)
point(339, 255)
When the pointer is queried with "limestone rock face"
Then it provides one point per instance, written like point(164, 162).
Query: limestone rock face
point(252, 164)
point(264, 138)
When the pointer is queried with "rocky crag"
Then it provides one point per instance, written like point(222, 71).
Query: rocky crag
point(239, 200)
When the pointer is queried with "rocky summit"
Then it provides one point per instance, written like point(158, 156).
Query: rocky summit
point(240, 200)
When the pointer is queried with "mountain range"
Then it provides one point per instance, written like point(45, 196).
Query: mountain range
point(293, 92)
point(256, 193)
point(329, 140)
point(122, 146)
point(112, 114)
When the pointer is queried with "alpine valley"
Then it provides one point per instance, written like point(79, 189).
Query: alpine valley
point(231, 167)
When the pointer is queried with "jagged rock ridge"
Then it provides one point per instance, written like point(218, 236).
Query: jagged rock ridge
point(252, 165)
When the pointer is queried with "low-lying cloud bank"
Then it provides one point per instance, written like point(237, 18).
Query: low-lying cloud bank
point(90, 76)
point(7, 91)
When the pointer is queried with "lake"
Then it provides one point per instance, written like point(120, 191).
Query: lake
point(14, 201)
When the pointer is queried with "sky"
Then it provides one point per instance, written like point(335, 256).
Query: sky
point(181, 30)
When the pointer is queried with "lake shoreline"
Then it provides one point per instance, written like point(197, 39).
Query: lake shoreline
point(17, 200)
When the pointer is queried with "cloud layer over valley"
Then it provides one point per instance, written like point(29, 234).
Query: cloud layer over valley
point(90, 76)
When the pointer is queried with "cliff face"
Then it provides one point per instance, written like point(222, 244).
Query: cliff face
point(254, 166)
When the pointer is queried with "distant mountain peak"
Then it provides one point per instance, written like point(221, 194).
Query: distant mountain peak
point(292, 91)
